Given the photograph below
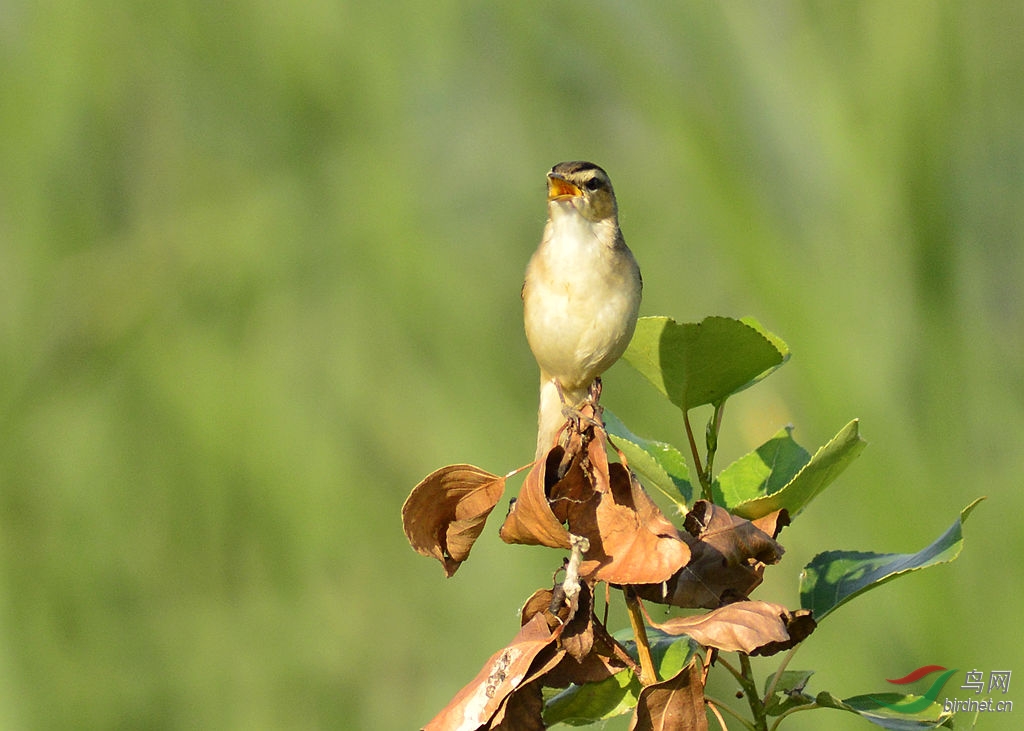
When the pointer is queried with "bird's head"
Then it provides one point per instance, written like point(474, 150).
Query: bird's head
point(584, 186)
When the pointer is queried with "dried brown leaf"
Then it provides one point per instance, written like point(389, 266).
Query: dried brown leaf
point(735, 538)
point(445, 513)
point(598, 665)
point(511, 667)
point(572, 624)
point(577, 636)
point(524, 706)
point(799, 626)
point(631, 541)
point(530, 520)
point(574, 490)
point(522, 711)
point(674, 704)
point(773, 523)
point(592, 655)
point(729, 555)
point(538, 603)
point(750, 627)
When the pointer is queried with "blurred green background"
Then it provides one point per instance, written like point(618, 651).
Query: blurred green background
point(259, 274)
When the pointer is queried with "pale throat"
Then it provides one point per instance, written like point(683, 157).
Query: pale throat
point(571, 237)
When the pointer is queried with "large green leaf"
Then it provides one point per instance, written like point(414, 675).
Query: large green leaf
point(834, 577)
point(703, 363)
point(764, 471)
point(776, 341)
point(660, 465)
point(779, 475)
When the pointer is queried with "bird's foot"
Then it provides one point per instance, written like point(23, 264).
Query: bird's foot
point(586, 413)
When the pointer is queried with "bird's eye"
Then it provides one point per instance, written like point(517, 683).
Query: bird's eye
point(593, 184)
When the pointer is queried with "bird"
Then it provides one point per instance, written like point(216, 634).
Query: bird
point(581, 295)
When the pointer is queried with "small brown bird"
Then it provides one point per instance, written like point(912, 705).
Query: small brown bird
point(581, 295)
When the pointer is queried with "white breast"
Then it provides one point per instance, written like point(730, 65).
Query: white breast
point(581, 299)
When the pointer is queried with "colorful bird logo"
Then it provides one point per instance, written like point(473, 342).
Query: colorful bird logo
point(931, 696)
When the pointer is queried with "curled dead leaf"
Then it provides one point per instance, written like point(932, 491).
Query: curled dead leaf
point(773, 523)
point(728, 558)
point(590, 652)
point(736, 539)
point(531, 520)
point(753, 627)
point(675, 703)
point(483, 702)
point(566, 620)
point(445, 513)
point(540, 602)
point(799, 625)
point(631, 540)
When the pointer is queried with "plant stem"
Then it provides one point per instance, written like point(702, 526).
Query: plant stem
point(725, 664)
point(731, 711)
point(705, 484)
point(790, 712)
point(778, 674)
point(711, 438)
point(648, 674)
point(746, 680)
point(713, 707)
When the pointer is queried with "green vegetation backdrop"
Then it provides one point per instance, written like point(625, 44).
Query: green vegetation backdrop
point(260, 269)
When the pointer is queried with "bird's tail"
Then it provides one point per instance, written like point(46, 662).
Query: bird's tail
point(551, 415)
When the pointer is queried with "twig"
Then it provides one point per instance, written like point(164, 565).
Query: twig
point(711, 438)
point(571, 584)
point(648, 674)
point(705, 486)
point(790, 712)
point(746, 680)
point(725, 664)
point(778, 674)
point(728, 709)
point(718, 716)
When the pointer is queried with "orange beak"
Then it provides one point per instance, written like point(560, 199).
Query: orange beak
point(559, 188)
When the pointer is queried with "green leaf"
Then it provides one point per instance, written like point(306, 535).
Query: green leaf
point(790, 681)
point(873, 708)
point(783, 455)
point(658, 464)
point(579, 705)
point(670, 653)
point(834, 577)
point(702, 363)
point(764, 471)
point(779, 343)
point(788, 692)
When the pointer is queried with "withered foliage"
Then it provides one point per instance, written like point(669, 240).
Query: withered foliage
point(573, 499)
point(756, 628)
point(676, 703)
point(445, 513)
point(484, 702)
point(728, 558)
point(631, 541)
